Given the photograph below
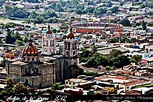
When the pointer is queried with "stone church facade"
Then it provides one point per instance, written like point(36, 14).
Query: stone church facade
point(31, 69)
point(42, 70)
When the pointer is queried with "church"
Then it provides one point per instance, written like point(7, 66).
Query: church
point(43, 69)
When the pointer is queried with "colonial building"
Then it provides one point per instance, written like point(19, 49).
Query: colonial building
point(42, 70)
point(48, 43)
point(70, 53)
point(30, 69)
point(67, 57)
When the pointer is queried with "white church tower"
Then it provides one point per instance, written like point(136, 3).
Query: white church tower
point(48, 43)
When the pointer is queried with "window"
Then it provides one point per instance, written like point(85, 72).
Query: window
point(67, 53)
point(45, 49)
point(32, 59)
point(46, 43)
point(53, 43)
point(69, 45)
point(36, 71)
point(74, 53)
point(28, 59)
point(66, 63)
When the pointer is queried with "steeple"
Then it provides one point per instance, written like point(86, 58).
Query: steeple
point(48, 42)
point(48, 30)
point(71, 35)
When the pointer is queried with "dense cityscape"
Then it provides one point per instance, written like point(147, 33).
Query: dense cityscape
point(76, 47)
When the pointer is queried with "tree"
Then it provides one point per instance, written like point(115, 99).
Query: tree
point(95, 12)
point(25, 39)
point(9, 83)
point(50, 20)
point(20, 13)
point(20, 88)
point(39, 19)
point(49, 13)
point(91, 62)
point(125, 22)
point(9, 38)
point(121, 3)
point(136, 59)
point(101, 10)
point(56, 86)
point(123, 60)
point(73, 71)
point(90, 9)
point(98, 58)
point(84, 55)
point(7, 8)
point(7, 25)
point(79, 11)
point(64, 36)
point(54, 31)
point(9, 91)
point(115, 53)
point(19, 42)
point(109, 68)
point(33, 15)
point(109, 4)
point(90, 73)
point(114, 9)
point(72, 18)
point(113, 40)
point(93, 49)
point(142, 6)
point(143, 24)
point(37, 7)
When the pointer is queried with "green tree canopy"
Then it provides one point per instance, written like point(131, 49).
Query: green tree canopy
point(9, 83)
point(20, 88)
point(125, 22)
point(115, 53)
point(136, 59)
point(143, 24)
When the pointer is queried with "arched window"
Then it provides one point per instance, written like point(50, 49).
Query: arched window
point(46, 42)
point(67, 53)
point(69, 45)
point(74, 53)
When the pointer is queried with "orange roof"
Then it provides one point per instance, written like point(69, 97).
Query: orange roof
point(30, 49)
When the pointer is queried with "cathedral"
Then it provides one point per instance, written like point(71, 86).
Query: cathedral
point(43, 69)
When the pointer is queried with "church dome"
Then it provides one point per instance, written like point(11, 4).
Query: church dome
point(71, 35)
point(48, 30)
point(30, 53)
point(30, 49)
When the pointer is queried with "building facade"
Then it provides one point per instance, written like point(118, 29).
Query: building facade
point(42, 70)
point(30, 69)
point(70, 53)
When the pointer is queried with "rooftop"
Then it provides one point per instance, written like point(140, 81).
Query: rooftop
point(115, 79)
point(19, 63)
point(135, 82)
